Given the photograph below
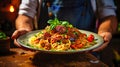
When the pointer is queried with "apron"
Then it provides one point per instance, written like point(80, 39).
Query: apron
point(78, 12)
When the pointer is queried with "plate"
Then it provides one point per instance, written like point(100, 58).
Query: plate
point(23, 41)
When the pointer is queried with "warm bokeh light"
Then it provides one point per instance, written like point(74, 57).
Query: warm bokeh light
point(12, 8)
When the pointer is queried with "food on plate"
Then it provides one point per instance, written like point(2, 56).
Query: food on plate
point(61, 36)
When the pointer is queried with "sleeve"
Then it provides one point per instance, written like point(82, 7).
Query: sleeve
point(106, 8)
point(28, 7)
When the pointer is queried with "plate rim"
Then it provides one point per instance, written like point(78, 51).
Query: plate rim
point(61, 52)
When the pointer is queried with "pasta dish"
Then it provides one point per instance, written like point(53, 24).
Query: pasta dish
point(61, 36)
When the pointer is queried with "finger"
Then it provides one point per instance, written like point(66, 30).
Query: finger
point(15, 35)
point(107, 36)
point(101, 47)
point(16, 43)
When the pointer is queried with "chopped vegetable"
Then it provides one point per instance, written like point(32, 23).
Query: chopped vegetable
point(90, 38)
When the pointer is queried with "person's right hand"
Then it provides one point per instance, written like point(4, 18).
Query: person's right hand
point(16, 34)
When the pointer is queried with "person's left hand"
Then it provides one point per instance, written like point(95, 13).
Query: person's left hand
point(107, 36)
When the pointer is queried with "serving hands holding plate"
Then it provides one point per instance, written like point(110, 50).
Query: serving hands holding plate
point(96, 40)
point(60, 37)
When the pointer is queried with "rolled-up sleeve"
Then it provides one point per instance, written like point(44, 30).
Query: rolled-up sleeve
point(28, 7)
point(106, 8)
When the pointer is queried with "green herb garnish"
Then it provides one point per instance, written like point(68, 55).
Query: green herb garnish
point(54, 22)
point(2, 35)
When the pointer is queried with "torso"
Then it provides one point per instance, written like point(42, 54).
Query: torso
point(77, 12)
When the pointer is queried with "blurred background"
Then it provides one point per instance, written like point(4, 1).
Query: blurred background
point(8, 14)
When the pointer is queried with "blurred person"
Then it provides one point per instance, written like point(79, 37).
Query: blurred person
point(83, 14)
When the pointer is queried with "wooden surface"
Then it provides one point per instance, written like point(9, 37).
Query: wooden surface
point(21, 58)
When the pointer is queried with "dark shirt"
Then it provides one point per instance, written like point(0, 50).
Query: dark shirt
point(77, 12)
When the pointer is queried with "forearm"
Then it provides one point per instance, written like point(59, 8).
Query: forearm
point(24, 22)
point(108, 24)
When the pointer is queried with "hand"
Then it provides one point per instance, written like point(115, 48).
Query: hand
point(107, 36)
point(16, 34)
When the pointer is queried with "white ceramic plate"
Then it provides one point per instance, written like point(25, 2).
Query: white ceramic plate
point(23, 41)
